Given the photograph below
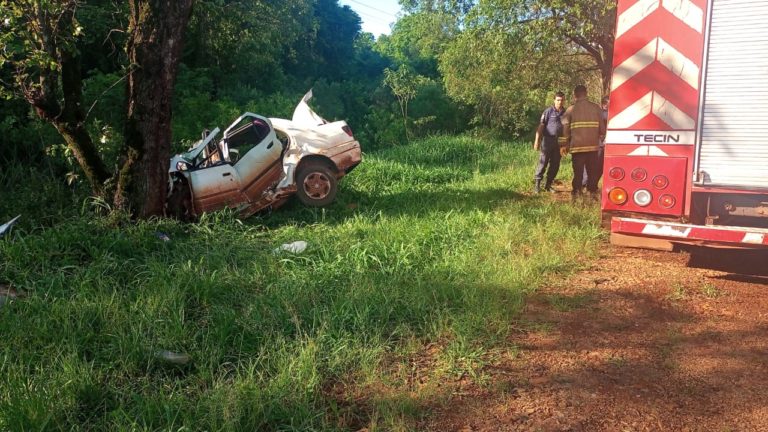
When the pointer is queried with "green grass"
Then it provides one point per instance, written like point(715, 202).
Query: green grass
point(709, 290)
point(678, 292)
point(432, 244)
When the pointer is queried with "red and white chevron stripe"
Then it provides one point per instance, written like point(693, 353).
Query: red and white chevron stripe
point(652, 103)
point(685, 10)
point(657, 65)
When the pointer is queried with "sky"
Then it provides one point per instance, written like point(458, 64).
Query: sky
point(377, 15)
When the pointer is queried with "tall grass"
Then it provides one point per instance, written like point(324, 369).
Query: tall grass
point(431, 244)
point(35, 193)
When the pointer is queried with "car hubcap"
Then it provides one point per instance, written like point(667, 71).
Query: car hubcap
point(317, 185)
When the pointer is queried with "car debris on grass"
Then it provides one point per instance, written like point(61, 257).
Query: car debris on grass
point(6, 227)
point(296, 247)
point(173, 357)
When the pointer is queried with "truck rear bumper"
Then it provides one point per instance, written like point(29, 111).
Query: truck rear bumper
point(743, 237)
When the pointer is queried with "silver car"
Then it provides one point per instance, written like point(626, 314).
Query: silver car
point(259, 162)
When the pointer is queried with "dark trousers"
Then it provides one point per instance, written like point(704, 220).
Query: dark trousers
point(548, 158)
point(588, 162)
point(600, 161)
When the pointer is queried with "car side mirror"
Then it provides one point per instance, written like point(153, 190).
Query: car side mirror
point(234, 155)
point(182, 166)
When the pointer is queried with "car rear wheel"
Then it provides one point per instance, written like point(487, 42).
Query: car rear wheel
point(316, 185)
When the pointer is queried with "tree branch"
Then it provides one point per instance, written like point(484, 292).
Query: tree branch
point(105, 92)
point(591, 50)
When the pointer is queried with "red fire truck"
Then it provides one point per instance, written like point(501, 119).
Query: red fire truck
point(686, 155)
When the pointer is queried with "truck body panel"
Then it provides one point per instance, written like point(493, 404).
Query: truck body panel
point(686, 111)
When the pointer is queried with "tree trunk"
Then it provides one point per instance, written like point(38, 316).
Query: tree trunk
point(156, 30)
point(69, 119)
point(79, 141)
point(606, 67)
point(71, 124)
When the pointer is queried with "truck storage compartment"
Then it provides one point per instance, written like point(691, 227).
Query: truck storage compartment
point(734, 130)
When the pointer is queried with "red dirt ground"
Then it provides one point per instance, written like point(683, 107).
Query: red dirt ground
point(639, 342)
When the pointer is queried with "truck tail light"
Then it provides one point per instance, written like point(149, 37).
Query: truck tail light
point(642, 197)
point(348, 131)
point(639, 174)
point(667, 201)
point(617, 196)
point(616, 173)
point(660, 182)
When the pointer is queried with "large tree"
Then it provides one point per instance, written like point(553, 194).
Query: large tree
point(154, 48)
point(588, 25)
point(513, 54)
point(577, 26)
point(39, 48)
point(41, 45)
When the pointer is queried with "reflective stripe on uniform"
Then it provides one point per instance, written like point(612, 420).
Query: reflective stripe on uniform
point(587, 124)
point(584, 149)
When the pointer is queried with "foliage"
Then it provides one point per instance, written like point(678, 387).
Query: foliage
point(434, 111)
point(509, 61)
point(572, 27)
point(497, 61)
point(33, 37)
point(41, 51)
point(418, 40)
point(404, 84)
point(245, 41)
point(457, 8)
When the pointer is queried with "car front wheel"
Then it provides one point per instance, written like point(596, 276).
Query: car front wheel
point(316, 185)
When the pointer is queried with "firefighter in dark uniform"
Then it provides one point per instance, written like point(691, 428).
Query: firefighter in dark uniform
point(600, 152)
point(583, 131)
point(549, 131)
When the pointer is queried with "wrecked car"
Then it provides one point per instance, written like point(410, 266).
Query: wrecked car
point(259, 162)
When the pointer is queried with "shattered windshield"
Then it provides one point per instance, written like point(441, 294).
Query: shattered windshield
point(200, 149)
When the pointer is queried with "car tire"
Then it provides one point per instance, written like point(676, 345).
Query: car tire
point(316, 185)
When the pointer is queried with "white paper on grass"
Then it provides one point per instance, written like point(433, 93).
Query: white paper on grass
point(295, 247)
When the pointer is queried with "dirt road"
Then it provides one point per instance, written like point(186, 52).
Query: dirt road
point(639, 342)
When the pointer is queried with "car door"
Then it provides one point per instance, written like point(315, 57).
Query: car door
point(216, 184)
point(259, 163)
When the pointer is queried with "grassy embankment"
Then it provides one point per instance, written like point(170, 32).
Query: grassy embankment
point(423, 263)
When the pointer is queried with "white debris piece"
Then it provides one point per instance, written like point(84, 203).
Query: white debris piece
point(7, 226)
point(295, 247)
point(162, 236)
point(173, 357)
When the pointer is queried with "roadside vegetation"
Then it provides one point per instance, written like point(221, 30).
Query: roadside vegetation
point(113, 318)
point(419, 270)
point(74, 89)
